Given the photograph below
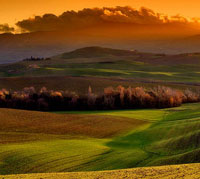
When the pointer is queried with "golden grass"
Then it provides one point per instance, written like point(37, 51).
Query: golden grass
point(189, 171)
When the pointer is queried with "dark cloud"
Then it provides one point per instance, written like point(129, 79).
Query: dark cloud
point(95, 16)
point(5, 28)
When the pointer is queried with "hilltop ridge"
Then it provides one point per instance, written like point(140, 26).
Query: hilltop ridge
point(97, 51)
point(174, 171)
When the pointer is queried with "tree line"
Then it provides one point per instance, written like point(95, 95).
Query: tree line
point(36, 59)
point(111, 98)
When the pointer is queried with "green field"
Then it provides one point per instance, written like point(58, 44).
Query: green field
point(37, 142)
point(100, 67)
point(102, 62)
point(80, 84)
point(121, 67)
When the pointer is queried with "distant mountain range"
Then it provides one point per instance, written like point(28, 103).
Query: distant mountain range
point(45, 44)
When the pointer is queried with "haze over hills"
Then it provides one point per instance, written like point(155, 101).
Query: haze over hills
point(44, 44)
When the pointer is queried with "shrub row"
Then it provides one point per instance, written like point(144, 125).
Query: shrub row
point(111, 98)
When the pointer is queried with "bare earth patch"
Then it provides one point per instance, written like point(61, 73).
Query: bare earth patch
point(99, 126)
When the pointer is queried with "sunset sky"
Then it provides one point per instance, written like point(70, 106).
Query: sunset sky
point(12, 11)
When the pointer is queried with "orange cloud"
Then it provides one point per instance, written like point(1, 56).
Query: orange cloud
point(5, 28)
point(96, 16)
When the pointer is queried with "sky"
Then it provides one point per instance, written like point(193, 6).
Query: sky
point(12, 11)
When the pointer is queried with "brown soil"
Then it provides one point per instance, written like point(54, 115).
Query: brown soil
point(99, 126)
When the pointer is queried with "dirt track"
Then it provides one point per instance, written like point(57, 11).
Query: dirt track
point(173, 172)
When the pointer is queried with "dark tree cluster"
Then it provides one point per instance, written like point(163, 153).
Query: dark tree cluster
point(35, 59)
point(111, 98)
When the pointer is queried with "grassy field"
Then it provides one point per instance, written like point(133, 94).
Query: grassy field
point(191, 171)
point(101, 126)
point(105, 66)
point(80, 84)
point(99, 68)
point(119, 67)
point(37, 142)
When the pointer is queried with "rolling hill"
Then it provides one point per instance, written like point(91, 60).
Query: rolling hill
point(36, 142)
point(14, 47)
point(93, 52)
point(101, 67)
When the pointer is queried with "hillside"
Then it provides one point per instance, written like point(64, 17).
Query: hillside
point(15, 47)
point(92, 52)
point(47, 123)
point(101, 67)
point(36, 142)
point(96, 54)
point(176, 171)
